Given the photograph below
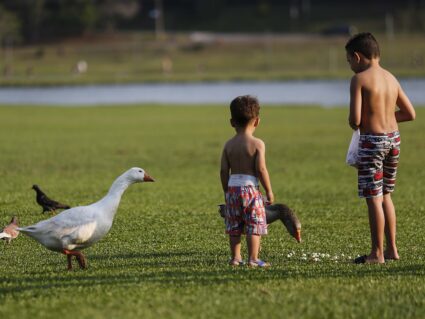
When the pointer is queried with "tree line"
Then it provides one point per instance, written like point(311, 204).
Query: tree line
point(32, 21)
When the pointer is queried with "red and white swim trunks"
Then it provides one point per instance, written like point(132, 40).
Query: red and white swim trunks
point(378, 158)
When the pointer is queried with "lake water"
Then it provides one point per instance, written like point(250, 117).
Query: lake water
point(328, 93)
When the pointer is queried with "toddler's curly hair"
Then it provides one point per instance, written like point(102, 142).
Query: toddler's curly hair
point(243, 109)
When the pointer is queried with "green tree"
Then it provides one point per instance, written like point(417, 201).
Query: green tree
point(10, 27)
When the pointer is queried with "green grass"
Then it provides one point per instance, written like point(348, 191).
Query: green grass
point(136, 57)
point(166, 254)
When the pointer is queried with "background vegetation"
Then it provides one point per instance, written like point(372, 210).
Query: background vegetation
point(166, 255)
point(137, 57)
point(50, 42)
point(43, 20)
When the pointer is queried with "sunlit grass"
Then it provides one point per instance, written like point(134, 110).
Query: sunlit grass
point(166, 255)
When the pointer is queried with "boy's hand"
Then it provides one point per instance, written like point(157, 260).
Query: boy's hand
point(270, 198)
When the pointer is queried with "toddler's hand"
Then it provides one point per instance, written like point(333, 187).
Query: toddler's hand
point(270, 198)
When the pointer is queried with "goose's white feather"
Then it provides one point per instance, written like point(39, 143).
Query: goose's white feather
point(80, 227)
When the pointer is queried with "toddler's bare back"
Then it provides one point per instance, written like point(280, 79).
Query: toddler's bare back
point(241, 151)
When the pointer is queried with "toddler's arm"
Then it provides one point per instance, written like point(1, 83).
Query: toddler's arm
point(262, 171)
point(224, 171)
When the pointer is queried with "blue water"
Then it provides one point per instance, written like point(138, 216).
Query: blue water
point(328, 93)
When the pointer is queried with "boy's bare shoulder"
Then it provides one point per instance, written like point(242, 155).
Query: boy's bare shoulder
point(357, 80)
point(369, 77)
point(391, 77)
point(360, 77)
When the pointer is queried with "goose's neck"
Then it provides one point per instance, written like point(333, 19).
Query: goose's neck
point(111, 201)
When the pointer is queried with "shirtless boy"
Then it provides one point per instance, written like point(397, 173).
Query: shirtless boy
point(243, 163)
point(374, 95)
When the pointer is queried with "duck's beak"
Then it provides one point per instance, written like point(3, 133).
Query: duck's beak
point(298, 235)
point(147, 178)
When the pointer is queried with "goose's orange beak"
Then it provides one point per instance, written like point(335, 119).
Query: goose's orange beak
point(147, 178)
point(298, 235)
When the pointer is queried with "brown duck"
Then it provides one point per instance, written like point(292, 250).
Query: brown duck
point(279, 212)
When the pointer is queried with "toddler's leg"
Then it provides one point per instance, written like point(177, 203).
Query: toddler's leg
point(253, 243)
point(390, 228)
point(377, 225)
point(235, 247)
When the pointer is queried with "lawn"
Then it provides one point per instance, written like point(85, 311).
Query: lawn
point(166, 255)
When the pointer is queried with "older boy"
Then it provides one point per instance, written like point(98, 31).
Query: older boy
point(243, 162)
point(374, 93)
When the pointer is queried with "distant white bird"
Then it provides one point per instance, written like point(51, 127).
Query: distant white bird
point(80, 227)
point(10, 231)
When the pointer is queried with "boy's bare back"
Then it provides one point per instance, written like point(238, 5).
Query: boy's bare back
point(376, 92)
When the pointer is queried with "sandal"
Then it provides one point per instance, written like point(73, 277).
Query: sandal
point(360, 259)
point(258, 263)
point(363, 260)
point(236, 262)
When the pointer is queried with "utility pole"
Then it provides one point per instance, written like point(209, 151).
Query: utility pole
point(159, 20)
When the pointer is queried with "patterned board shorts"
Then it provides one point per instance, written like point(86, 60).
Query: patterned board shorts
point(245, 212)
point(377, 163)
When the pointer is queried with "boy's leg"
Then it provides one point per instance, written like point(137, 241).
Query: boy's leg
point(235, 247)
point(253, 243)
point(390, 228)
point(390, 174)
point(377, 225)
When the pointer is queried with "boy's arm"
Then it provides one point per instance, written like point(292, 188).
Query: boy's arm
point(406, 111)
point(262, 172)
point(355, 103)
point(224, 170)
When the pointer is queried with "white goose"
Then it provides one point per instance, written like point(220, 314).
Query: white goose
point(80, 227)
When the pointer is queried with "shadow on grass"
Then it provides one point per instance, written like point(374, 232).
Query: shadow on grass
point(187, 268)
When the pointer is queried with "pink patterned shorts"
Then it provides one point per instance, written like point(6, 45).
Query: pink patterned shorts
point(245, 212)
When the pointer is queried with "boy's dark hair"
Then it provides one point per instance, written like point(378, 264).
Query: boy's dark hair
point(243, 109)
point(364, 43)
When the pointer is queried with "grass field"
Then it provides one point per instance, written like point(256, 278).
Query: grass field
point(166, 255)
point(136, 57)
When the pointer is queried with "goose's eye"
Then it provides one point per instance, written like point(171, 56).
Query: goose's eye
point(140, 171)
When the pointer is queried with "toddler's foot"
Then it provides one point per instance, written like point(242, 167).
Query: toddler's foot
point(236, 262)
point(258, 263)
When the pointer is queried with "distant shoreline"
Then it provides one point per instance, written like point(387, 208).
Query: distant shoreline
point(326, 93)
